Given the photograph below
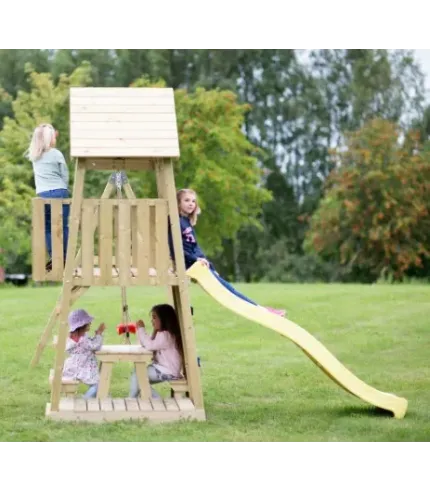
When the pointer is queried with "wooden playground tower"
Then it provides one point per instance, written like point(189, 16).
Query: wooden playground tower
point(121, 242)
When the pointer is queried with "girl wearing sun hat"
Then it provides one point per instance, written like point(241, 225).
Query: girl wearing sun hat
point(81, 363)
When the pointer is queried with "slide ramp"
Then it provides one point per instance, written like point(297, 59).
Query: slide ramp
point(315, 350)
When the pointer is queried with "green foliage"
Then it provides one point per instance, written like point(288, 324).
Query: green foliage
point(45, 102)
point(13, 76)
point(217, 161)
point(216, 158)
point(376, 212)
point(100, 62)
point(279, 266)
point(15, 221)
point(281, 214)
point(296, 106)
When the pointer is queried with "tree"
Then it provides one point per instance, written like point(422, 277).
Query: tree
point(102, 63)
point(216, 158)
point(131, 64)
point(217, 161)
point(45, 102)
point(375, 215)
point(13, 76)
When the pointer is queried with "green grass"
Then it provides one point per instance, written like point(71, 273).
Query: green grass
point(258, 386)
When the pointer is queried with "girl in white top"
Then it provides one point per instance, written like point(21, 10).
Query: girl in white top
point(51, 179)
point(166, 343)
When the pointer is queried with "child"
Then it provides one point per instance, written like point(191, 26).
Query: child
point(82, 362)
point(51, 177)
point(166, 343)
point(188, 211)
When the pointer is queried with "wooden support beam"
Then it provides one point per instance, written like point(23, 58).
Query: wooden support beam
point(105, 195)
point(118, 164)
point(38, 240)
point(77, 292)
point(180, 292)
point(78, 192)
point(162, 193)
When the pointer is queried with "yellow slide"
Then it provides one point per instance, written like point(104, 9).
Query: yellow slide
point(310, 345)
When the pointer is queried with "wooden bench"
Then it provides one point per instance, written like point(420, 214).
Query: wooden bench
point(133, 353)
point(68, 385)
point(179, 388)
point(109, 354)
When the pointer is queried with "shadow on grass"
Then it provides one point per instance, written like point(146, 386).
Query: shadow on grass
point(370, 412)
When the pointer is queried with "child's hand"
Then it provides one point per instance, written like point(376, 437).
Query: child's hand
point(101, 328)
point(140, 323)
point(204, 261)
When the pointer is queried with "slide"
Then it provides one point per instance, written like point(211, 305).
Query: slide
point(316, 351)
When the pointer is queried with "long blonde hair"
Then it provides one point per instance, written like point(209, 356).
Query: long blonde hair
point(196, 212)
point(40, 141)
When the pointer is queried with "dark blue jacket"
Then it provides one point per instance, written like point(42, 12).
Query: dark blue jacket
point(192, 250)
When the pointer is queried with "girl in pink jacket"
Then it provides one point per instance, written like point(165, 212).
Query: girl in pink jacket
point(166, 343)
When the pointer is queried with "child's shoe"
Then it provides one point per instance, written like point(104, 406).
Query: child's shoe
point(155, 394)
point(282, 313)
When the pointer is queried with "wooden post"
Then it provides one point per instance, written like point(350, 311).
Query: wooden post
point(105, 195)
point(162, 193)
point(38, 240)
point(180, 292)
point(78, 192)
point(57, 237)
point(129, 191)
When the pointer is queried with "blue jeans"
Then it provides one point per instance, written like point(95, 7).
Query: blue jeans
point(91, 392)
point(154, 377)
point(229, 287)
point(62, 194)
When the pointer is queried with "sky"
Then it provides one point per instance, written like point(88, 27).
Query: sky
point(423, 56)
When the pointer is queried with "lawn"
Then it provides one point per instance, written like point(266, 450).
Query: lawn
point(257, 385)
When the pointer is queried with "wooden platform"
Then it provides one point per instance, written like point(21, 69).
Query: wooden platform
point(96, 279)
point(105, 410)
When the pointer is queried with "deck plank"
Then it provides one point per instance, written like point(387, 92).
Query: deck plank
point(107, 410)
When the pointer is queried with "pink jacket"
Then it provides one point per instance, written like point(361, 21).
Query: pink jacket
point(166, 355)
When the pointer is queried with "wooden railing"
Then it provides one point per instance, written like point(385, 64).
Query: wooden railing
point(121, 242)
point(39, 254)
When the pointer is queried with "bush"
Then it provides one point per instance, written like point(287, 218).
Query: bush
point(278, 265)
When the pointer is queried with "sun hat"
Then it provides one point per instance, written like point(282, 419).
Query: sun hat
point(79, 318)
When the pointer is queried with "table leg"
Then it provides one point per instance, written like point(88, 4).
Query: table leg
point(142, 378)
point(105, 376)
